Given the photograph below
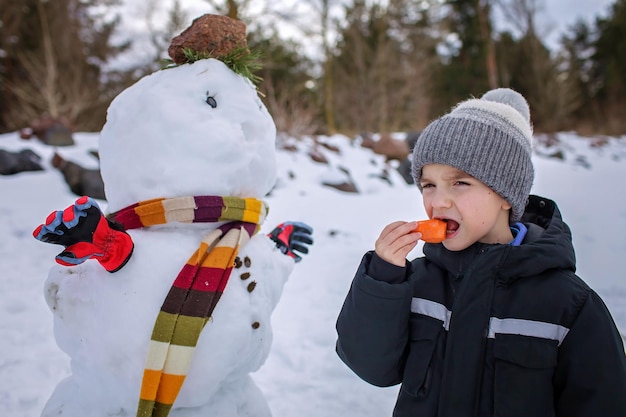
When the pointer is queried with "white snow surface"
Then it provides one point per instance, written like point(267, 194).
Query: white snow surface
point(302, 375)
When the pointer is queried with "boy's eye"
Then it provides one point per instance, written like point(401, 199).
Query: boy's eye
point(426, 185)
point(462, 183)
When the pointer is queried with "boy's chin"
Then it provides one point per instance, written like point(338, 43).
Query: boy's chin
point(455, 246)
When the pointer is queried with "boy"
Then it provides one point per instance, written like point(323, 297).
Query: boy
point(493, 321)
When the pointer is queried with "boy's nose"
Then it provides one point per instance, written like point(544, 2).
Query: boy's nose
point(441, 199)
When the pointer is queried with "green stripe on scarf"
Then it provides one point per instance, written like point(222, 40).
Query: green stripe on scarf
point(195, 291)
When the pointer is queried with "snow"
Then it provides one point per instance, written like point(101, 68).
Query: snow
point(302, 375)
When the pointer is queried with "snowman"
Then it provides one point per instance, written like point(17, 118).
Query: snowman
point(163, 303)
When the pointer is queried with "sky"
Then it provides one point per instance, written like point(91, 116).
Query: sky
point(558, 15)
point(555, 16)
point(302, 367)
point(564, 12)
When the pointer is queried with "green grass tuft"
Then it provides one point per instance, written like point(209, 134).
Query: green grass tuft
point(241, 60)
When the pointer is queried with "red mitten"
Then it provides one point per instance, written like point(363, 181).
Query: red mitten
point(86, 234)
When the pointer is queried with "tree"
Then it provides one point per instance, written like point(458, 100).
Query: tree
point(328, 79)
point(53, 57)
point(316, 27)
point(360, 67)
point(577, 49)
point(285, 73)
point(286, 84)
point(527, 66)
point(382, 67)
point(322, 8)
point(484, 22)
point(230, 8)
point(609, 67)
point(160, 38)
point(466, 71)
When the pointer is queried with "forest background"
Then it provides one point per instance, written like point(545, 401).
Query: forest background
point(376, 66)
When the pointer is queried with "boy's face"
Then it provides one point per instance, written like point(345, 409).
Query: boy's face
point(473, 211)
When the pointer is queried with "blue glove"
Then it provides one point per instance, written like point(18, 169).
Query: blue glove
point(86, 234)
point(292, 236)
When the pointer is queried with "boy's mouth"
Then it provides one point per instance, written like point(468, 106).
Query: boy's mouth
point(451, 226)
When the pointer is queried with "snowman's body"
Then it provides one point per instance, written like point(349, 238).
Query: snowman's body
point(104, 321)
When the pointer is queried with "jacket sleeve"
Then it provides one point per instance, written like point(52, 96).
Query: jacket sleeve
point(591, 373)
point(372, 326)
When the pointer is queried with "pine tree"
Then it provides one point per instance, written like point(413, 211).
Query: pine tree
point(382, 67)
point(609, 67)
point(465, 72)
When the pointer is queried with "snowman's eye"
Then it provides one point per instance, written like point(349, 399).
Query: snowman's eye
point(210, 100)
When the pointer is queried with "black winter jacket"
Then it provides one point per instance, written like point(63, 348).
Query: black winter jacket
point(494, 330)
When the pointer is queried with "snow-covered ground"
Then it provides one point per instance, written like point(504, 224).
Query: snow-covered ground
point(302, 376)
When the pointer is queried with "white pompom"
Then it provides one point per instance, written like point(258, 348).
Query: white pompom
point(511, 98)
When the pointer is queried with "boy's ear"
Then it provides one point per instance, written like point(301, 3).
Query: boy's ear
point(505, 205)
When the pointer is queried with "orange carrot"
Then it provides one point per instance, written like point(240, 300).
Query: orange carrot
point(433, 230)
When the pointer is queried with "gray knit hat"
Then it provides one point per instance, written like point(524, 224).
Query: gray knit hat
point(489, 138)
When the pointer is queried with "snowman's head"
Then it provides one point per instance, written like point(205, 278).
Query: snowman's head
point(195, 129)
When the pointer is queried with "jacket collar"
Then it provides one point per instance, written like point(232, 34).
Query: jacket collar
point(548, 245)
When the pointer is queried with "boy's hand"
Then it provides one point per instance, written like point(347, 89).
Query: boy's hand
point(292, 236)
point(86, 234)
point(396, 241)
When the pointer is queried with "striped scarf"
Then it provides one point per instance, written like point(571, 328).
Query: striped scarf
point(195, 291)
